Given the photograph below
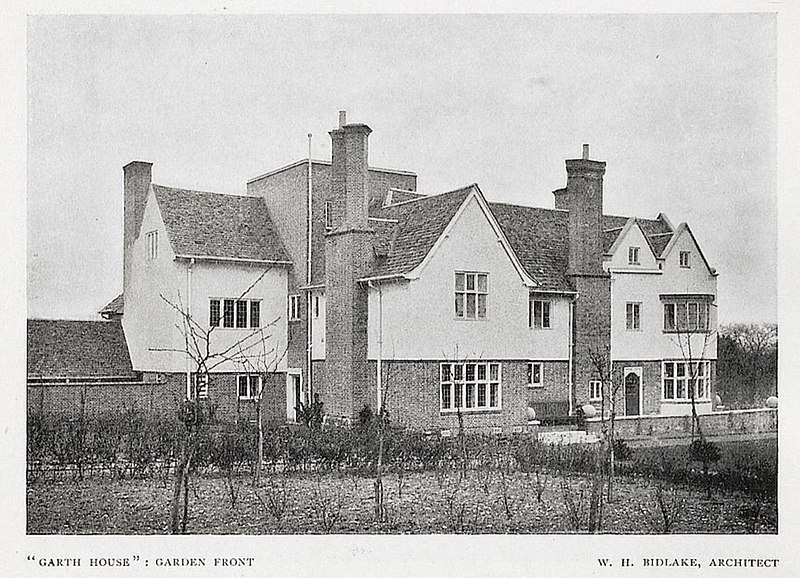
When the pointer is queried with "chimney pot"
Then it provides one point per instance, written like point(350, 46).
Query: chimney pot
point(342, 118)
point(585, 152)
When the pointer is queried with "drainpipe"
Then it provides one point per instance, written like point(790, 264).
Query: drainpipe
point(569, 357)
point(308, 278)
point(188, 328)
point(379, 365)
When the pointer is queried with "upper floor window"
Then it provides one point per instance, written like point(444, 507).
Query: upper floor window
point(539, 314)
point(471, 294)
point(328, 217)
point(595, 390)
point(294, 307)
point(248, 386)
point(633, 255)
point(633, 321)
point(686, 316)
point(151, 244)
point(684, 257)
point(239, 313)
point(536, 374)
point(470, 386)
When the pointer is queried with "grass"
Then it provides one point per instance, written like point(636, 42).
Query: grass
point(430, 503)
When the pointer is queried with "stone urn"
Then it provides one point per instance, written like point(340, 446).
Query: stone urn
point(530, 413)
point(772, 402)
point(589, 410)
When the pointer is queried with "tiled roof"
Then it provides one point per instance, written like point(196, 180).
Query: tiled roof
point(539, 239)
point(419, 224)
point(537, 236)
point(216, 225)
point(58, 348)
point(115, 307)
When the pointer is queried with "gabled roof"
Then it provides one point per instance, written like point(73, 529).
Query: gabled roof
point(537, 236)
point(214, 225)
point(59, 348)
point(420, 223)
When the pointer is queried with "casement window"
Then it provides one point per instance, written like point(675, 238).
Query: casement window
point(686, 316)
point(200, 385)
point(633, 319)
point(685, 259)
point(151, 245)
point(595, 390)
point(539, 314)
point(470, 387)
point(679, 378)
point(239, 313)
point(294, 307)
point(633, 255)
point(328, 217)
point(471, 294)
point(536, 374)
point(248, 386)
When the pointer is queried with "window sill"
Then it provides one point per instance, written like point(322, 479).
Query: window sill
point(541, 328)
point(689, 331)
point(471, 410)
point(685, 401)
point(470, 318)
point(535, 385)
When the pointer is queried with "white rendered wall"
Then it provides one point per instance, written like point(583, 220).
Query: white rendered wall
point(651, 342)
point(152, 326)
point(148, 320)
point(419, 319)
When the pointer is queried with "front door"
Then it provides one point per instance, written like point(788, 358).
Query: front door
point(293, 396)
point(632, 388)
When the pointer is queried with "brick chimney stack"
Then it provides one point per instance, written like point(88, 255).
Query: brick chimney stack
point(348, 257)
point(583, 198)
point(138, 177)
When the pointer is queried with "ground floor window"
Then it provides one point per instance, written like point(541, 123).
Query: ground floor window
point(200, 385)
point(248, 386)
point(470, 386)
point(595, 390)
point(679, 378)
point(536, 374)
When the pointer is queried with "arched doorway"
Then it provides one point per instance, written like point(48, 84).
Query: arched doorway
point(633, 388)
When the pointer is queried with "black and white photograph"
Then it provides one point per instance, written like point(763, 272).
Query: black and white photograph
point(330, 277)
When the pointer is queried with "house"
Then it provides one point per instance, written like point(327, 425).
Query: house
point(432, 306)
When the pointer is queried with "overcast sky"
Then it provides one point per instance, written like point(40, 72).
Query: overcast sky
point(681, 107)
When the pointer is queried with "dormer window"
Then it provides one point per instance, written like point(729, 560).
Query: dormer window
point(685, 259)
point(151, 245)
point(633, 255)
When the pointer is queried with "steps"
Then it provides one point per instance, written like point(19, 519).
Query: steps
point(564, 437)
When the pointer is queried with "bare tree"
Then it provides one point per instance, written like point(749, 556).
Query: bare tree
point(600, 358)
point(201, 354)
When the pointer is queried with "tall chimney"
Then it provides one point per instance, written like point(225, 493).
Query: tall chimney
point(348, 258)
point(592, 309)
point(138, 177)
point(584, 196)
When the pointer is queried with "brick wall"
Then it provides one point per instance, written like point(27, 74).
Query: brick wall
point(162, 397)
point(591, 330)
point(745, 421)
point(411, 395)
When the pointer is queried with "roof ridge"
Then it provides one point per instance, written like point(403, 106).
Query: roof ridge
point(199, 192)
point(424, 197)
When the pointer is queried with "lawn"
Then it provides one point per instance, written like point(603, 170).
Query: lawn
point(426, 502)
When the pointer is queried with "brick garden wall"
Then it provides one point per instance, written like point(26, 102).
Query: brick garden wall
point(743, 421)
point(160, 397)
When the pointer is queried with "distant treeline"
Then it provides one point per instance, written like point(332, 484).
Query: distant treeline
point(747, 364)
